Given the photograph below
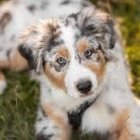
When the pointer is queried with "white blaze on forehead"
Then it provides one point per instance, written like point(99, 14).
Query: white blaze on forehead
point(75, 72)
point(68, 36)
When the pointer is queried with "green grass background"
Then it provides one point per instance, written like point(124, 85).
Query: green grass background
point(19, 102)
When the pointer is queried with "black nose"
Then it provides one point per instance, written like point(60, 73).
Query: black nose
point(84, 87)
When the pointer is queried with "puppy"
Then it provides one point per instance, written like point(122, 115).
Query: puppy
point(83, 77)
point(16, 15)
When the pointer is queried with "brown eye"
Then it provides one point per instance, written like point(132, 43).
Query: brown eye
point(88, 53)
point(61, 61)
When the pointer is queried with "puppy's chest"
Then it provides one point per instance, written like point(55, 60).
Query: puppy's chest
point(98, 119)
point(72, 108)
point(91, 118)
point(58, 97)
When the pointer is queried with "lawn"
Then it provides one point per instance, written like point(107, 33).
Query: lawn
point(19, 102)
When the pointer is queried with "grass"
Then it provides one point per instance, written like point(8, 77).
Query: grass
point(19, 102)
point(18, 108)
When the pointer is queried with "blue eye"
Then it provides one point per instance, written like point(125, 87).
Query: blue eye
point(88, 53)
point(61, 61)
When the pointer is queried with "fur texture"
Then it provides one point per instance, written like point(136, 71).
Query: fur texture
point(79, 59)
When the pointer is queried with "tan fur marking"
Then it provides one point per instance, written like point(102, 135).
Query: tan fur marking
point(122, 130)
point(4, 64)
point(121, 125)
point(98, 67)
point(54, 77)
point(17, 62)
point(82, 45)
point(58, 119)
point(63, 52)
point(1, 76)
point(122, 118)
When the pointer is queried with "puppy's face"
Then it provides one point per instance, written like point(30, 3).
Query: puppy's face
point(73, 52)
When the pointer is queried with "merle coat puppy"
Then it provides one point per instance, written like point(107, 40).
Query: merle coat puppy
point(83, 77)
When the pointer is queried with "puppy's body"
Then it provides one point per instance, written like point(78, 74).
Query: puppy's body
point(114, 113)
point(80, 58)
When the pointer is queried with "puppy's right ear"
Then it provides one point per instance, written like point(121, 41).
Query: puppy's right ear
point(34, 41)
point(28, 46)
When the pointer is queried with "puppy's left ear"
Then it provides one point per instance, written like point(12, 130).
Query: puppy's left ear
point(107, 45)
point(34, 42)
point(97, 23)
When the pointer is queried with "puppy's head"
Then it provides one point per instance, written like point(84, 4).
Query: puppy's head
point(73, 52)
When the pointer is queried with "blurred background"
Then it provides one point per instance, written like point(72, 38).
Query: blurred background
point(19, 102)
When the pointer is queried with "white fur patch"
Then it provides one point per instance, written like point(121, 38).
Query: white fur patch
point(76, 71)
point(97, 119)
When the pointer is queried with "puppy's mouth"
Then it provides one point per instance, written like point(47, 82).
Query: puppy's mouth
point(87, 94)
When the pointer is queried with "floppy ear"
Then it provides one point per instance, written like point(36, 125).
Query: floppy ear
point(30, 48)
point(34, 41)
point(95, 22)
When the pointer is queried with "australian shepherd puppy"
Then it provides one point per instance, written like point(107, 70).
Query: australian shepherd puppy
point(83, 76)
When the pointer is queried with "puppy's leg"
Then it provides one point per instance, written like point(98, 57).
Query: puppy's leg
point(127, 126)
point(52, 124)
point(127, 133)
point(133, 123)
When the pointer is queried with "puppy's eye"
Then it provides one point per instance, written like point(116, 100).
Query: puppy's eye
point(88, 53)
point(61, 61)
